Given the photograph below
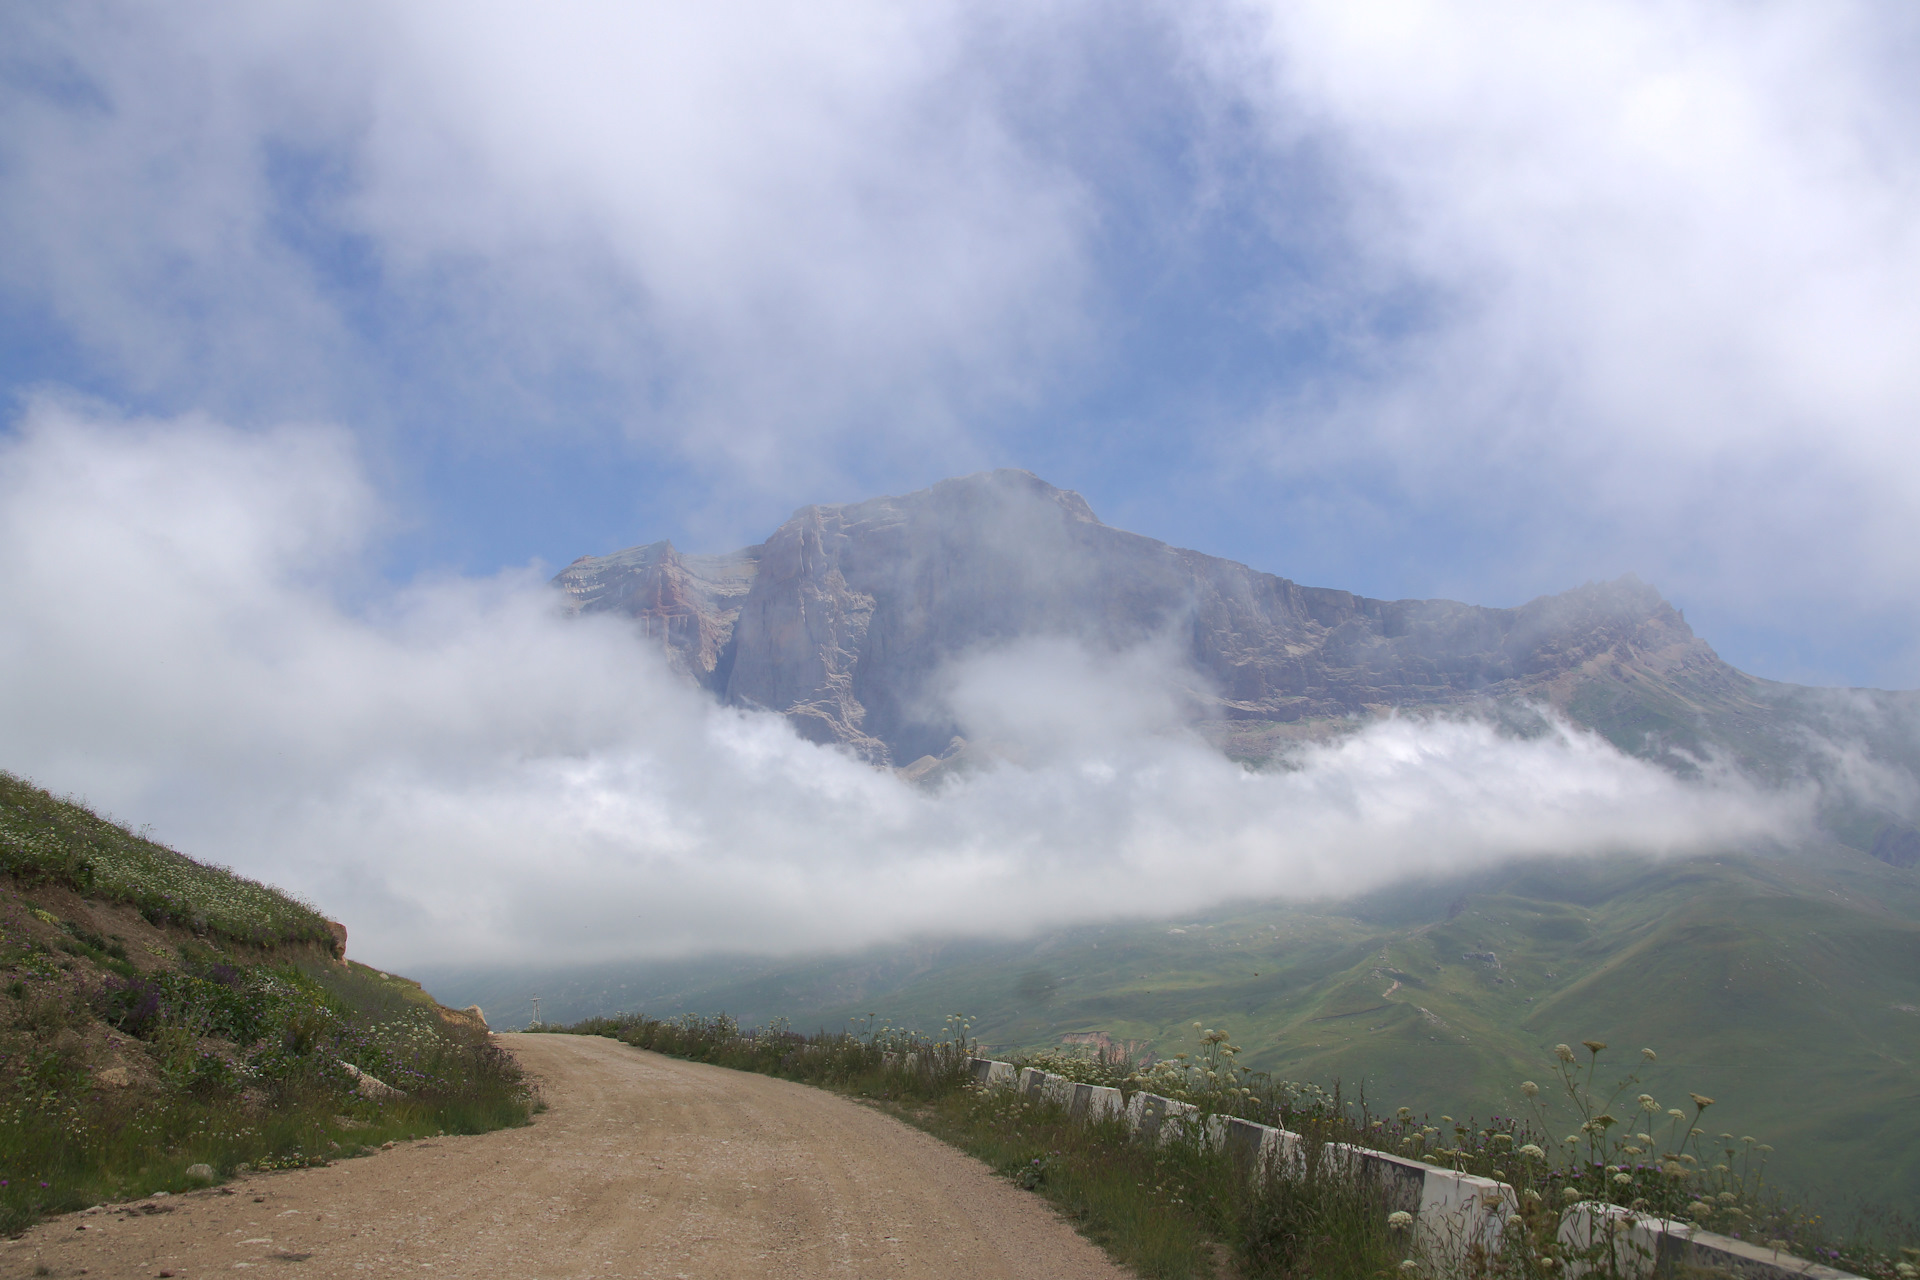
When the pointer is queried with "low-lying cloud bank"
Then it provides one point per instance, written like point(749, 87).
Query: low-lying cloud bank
point(463, 774)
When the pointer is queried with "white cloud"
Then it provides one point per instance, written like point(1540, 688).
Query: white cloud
point(763, 225)
point(1651, 275)
point(1627, 286)
point(464, 775)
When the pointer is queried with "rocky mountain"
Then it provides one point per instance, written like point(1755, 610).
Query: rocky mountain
point(843, 616)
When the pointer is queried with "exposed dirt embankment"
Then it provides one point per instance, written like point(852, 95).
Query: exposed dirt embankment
point(642, 1166)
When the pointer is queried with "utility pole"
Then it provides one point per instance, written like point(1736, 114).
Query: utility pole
point(536, 1011)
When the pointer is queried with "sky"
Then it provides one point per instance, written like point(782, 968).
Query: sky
point(331, 330)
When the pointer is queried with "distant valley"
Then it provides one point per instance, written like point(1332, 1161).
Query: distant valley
point(1789, 991)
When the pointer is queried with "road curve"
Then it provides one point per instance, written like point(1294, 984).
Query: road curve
point(641, 1166)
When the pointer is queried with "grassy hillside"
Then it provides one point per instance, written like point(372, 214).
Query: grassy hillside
point(165, 1023)
point(47, 840)
point(1790, 991)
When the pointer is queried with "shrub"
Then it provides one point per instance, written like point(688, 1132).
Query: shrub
point(249, 1060)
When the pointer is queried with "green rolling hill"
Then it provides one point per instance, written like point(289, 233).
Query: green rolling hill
point(1787, 990)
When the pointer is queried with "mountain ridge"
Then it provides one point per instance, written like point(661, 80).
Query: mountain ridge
point(843, 617)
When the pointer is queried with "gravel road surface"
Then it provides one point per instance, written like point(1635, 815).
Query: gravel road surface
point(641, 1166)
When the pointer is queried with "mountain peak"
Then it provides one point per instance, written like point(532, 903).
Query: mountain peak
point(843, 618)
point(1005, 492)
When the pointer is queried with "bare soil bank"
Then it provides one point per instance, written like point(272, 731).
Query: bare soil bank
point(642, 1166)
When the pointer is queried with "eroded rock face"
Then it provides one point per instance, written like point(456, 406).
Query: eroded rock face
point(686, 604)
point(842, 618)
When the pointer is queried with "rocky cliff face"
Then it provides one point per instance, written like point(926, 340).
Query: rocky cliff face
point(841, 618)
point(685, 604)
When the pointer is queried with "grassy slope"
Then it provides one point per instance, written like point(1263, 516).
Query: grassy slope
point(43, 838)
point(158, 1013)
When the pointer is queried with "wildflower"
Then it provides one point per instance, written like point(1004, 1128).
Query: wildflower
point(1563, 1053)
point(1404, 1113)
point(1649, 1055)
point(1701, 1101)
point(1624, 1179)
point(1399, 1220)
point(1572, 1139)
point(1529, 1089)
point(1676, 1113)
point(1594, 1046)
point(1533, 1152)
point(1699, 1209)
point(1569, 1193)
point(1647, 1103)
point(1409, 1266)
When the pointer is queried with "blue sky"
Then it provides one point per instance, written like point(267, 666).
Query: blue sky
point(1474, 301)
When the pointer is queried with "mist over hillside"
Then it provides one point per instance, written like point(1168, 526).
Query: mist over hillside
point(1762, 955)
point(856, 622)
point(472, 775)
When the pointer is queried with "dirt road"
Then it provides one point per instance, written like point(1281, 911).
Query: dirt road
point(641, 1166)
